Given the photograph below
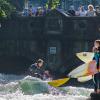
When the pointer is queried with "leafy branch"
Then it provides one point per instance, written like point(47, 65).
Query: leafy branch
point(52, 4)
point(6, 8)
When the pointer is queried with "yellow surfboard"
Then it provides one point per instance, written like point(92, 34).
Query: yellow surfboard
point(85, 56)
point(59, 82)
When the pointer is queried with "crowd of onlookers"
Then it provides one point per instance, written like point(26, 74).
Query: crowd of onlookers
point(91, 11)
point(34, 11)
point(81, 11)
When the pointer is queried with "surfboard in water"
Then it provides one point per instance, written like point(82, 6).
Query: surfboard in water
point(85, 56)
point(84, 70)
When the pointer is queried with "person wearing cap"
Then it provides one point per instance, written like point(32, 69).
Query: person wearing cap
point(36, 69)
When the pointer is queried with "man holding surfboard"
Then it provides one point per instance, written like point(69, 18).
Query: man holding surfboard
point(96, 77)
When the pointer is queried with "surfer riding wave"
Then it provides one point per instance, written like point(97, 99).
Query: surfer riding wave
point(37, 70)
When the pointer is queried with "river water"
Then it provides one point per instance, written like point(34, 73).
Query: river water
point(15, 87)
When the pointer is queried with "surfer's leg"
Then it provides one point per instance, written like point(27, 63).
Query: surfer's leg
point(95, 87)
point(95, 83)
point(98, 90)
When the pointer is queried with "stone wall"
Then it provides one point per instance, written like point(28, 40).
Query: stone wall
point(55, 38)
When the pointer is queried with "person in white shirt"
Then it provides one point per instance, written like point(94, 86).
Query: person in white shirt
point(91, 11)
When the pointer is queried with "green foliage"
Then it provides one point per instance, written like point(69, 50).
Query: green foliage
point(52, 4)
point(5, 8)
point(2, 13)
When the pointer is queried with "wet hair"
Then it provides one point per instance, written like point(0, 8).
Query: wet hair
point(95, 49)
point(39, 61)
point(97, 41)
point(99, 49)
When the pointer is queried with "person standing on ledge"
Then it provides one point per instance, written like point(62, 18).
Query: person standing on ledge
point(36, 69)
point(96, 77)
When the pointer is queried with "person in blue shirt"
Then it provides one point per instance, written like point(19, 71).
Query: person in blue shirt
point(36, 69)
point(96, 77)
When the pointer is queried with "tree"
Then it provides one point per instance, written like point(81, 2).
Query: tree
point(2, 13)
point(5, 8)
point(52, 4)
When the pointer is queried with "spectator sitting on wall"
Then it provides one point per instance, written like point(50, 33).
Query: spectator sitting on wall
point(71, 11)
point(45, 10)
point(25, 12)
point(81, 11)
point(34, 10)
point(97, 10)
point(39, 11)
point(91, 11)
point(30, 11)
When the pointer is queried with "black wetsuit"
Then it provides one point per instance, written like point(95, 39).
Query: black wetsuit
point(36, 71)
point(96, 77)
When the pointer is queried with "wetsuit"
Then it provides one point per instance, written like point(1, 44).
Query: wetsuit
point(96, 77)
point(36, 71)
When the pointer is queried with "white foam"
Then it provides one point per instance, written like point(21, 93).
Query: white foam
point(20, 96)
point(11, 91)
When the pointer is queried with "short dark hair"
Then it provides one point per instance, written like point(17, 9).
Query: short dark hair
point(40, 61)
point(97, 41)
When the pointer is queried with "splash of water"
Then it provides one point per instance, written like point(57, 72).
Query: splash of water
point(13, 87)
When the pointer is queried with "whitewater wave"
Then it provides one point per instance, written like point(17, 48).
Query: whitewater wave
point(28, 84)
point(14, 87)
point(19, 96)
point(32, 85)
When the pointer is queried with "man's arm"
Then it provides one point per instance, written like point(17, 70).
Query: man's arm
point(32, 68)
